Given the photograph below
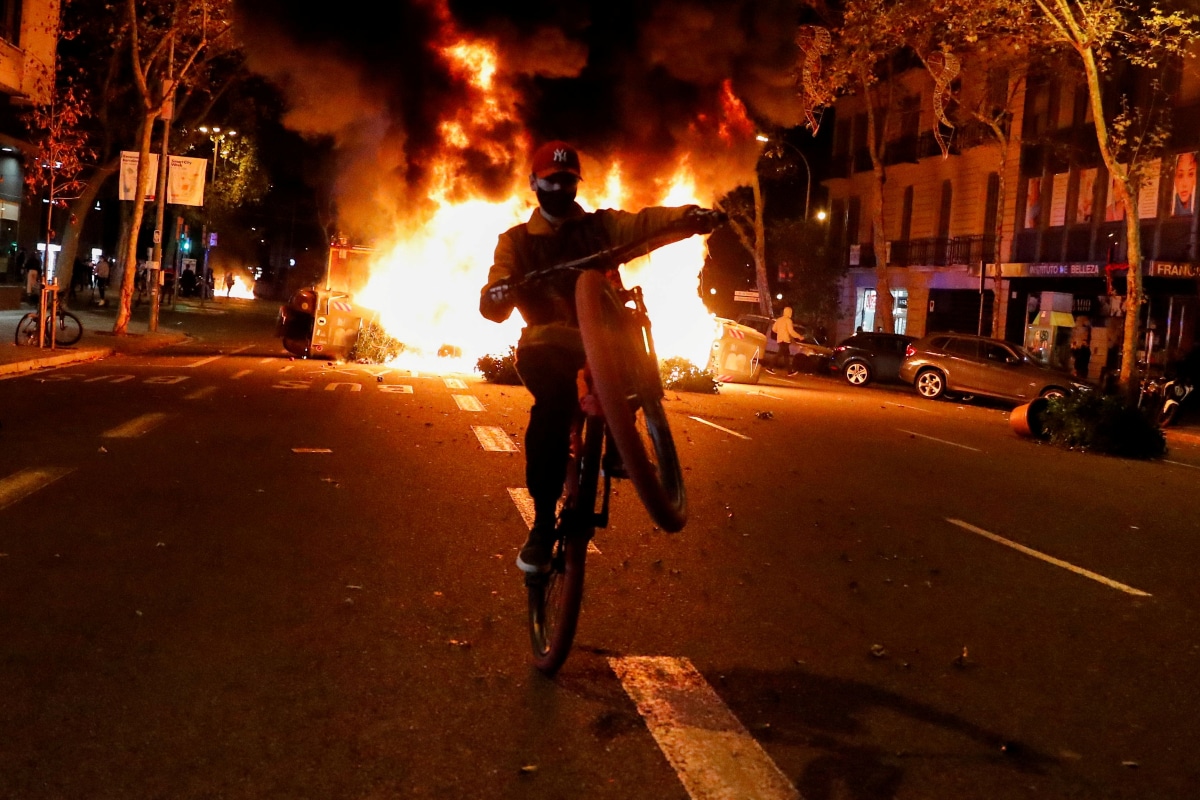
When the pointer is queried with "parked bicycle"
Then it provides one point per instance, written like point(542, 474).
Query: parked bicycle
point(620, 421)
point(61, 326)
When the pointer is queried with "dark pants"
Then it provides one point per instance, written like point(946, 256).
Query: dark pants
point(549, 372)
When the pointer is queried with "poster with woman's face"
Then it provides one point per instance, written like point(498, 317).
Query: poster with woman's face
point(1087, 195)
point(1185, 184)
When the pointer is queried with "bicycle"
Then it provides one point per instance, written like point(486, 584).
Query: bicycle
point(620, 407)
point(66, 329)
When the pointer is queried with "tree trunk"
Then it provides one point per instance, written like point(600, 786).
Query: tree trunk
point(78, 214)
point(128, 265)
point(760, 251)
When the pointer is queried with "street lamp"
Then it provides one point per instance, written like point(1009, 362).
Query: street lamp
point(762, 137)
point(217, 137)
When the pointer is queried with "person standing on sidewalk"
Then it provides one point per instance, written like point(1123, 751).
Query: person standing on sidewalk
point(1081, 346)
point(102, 272)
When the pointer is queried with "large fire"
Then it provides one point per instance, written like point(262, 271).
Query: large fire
point(425, 284)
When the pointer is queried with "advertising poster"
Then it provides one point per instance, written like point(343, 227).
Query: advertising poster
point(1033, 202)
point(1058, 200)
point(1084, 206)
point(1148, 198)
point(129, 166)
point(1115, 210)
point(1183, 196)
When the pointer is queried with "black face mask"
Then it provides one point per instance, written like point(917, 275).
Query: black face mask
point(557, 204)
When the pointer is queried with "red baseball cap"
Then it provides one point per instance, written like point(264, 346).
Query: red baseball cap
point(553, 158)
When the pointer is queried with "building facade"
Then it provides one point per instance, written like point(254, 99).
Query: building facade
point(29, 32)
point(1061, 250)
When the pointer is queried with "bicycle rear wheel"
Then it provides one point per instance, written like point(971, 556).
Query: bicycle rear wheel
point(27, 329)
point(627, 383)
point(70, 329)
point(555, 597)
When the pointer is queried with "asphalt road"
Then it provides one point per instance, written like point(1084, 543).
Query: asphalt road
point(227, 573)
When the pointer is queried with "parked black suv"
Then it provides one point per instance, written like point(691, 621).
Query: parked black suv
point(866, 357)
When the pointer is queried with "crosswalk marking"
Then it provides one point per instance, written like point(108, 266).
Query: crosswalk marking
point(494, 439)
point(136, 426)
point(467, 402)
point(454, 383)
point(711, 751)
point(24, 483)
point(200, 393)
point(241, 374)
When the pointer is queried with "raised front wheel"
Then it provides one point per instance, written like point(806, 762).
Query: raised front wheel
point(626, 381)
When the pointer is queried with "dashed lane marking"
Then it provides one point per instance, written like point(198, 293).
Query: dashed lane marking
point(941, 441)
point(136, 426)
point(718, 427)
point(454, 383)
point(711, 751)
point(24, 483)
point(524, 503)
point(966, 526)
point(309, 450)
point(1180, 464)
point(467, 402)
point(200, 393)
point(241, 374)
point(211, 359)
point(494, 439)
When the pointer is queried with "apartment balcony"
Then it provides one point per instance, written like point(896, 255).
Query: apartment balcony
point(943, 252)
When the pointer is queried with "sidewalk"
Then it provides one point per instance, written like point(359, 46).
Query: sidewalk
point(98, 340)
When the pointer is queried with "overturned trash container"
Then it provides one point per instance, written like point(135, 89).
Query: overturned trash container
point(737, 353)
point(1030, 419)
point(319, 323)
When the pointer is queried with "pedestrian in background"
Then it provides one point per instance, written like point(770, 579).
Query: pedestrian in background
point(102, 273)
point(785, 334)
point(1081, 345)
point(33, 276)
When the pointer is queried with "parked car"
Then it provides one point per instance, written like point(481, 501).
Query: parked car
point(866, 357)
point(976, 365)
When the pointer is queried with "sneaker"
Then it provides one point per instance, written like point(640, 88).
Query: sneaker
point(536, 552)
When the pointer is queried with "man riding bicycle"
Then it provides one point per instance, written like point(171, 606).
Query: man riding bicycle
point(550, 351)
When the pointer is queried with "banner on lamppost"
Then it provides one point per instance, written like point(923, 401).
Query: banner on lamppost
point(129, 166)
point(185, 178)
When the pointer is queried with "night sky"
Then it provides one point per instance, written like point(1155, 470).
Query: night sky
point(640, 81)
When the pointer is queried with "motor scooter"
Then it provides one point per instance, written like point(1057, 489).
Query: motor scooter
point(1162, 396)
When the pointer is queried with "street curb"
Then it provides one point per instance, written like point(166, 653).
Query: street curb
point(75, 356)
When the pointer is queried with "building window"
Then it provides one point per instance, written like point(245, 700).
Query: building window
point(864, 311)
point(10, 21)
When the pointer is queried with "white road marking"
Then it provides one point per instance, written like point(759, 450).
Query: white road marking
point(524, 503)
point(24, 483)
point(494, 439)
point(136, 426)
point(711, 751)
point(200, 393)
point(467, 402)
point(1048, 559)
point(266, 360)
point(396, 388)
point(940, 441)
point(241, 374)
point(454, 383)
point(718, 427)
point(311, 450)
point(211, 359)
point(354, 387)
point(912, 408)
point(1180, 464)
point(108, 378)
point(285, 369)
point(761, 393)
